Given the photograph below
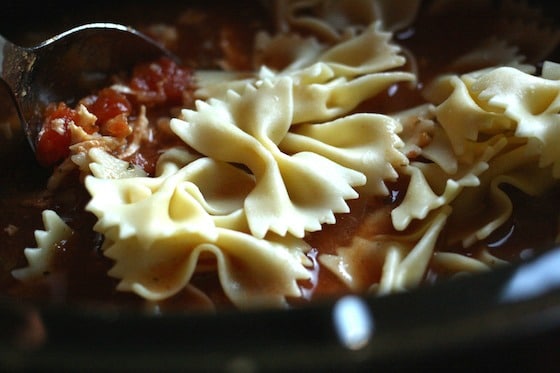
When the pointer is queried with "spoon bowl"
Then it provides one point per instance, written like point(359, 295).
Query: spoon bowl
point(68, 66)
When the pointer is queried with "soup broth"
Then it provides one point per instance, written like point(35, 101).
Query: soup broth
point(470, 215)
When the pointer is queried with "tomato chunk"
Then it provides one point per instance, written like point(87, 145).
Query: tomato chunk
point(159, 82)
point(116, 127)
point(162, 81)
point(107, 104)
point(54, 139)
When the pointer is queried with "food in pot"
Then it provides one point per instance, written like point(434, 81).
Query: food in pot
point(316, 149)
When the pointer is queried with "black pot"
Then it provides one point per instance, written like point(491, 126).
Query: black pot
point(508, 318)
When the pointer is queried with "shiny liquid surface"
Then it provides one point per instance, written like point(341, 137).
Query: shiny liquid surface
point(532, 228)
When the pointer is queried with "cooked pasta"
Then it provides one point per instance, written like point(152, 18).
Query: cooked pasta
point(255, 165)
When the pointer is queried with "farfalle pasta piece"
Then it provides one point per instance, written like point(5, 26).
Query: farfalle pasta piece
point(532, 102)
point(166, 206)
point(308, 190)
point(419, 200)
point(334, 20)
point(348, 263)
point(418, 129)
point(367, 143)
point(157, 230)
point(321, 101)
point(105, 166)
point(293, 193)
point(488, 206)
point(404, 258)
point(532, 181)
point(268, 118)
point(371, 51)
point(460, 115)
point(440, 151)
point(493, 126)
point(253, 272)
point(334, 81)
point(410, 271)
point(458, 264)
point(39, 259)
point(430, 187)
point(160, 230)
point(285, 50)
point(550, 70)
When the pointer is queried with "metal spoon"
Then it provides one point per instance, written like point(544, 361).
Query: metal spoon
point(69, 66)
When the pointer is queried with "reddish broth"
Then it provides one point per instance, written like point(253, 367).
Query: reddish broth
point(221, 35)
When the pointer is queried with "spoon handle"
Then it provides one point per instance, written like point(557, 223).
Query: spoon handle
point(15, 62)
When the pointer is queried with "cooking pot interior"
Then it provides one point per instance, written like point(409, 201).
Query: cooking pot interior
point(443, 325)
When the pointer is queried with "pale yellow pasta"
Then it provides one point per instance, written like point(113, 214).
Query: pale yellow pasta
point(406, 257)
point(333, 20)
point(40, 258)
point(461, 117)
point(458, 263)
point(418, 130)
point(533, 103)
point(332, 82)
point(153, 208)
point(347, 263)
point(283, 127)
point(430, 187)
point(276, 153)
point(494, 207)
point(157, 228)
point(293, 193)
point(411, 270)
point(104, 166)
point(253, 272)
point(476, 105)
point(285, 160)
point(367, 143)
point(491, 127)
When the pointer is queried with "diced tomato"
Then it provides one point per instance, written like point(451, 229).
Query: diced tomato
point(116, 127)
point(107, 104)
point(162, 81)
point(158, 82)
point(54, 139)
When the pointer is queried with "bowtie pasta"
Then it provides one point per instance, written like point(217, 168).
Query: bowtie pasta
point(266, 161)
